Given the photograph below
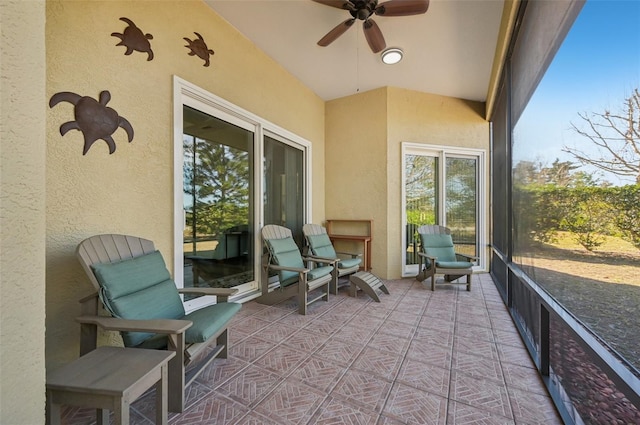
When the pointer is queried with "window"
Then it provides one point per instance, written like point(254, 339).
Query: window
point(443, 186)
point(234, 172)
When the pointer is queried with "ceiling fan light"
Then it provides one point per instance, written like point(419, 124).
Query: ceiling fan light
point(391, 56)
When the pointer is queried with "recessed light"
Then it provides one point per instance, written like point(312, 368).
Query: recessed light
point(391, 56)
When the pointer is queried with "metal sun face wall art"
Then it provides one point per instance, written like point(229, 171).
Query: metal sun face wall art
point(134, 39)
point(93, 118)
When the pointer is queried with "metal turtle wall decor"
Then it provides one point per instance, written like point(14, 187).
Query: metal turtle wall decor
point(199, 48)
point(93, 118)
point(134, 39)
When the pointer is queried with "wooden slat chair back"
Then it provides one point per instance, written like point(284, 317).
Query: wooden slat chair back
point(296, 279)
point(134, 285)
point(319, 245)
point(439, 257)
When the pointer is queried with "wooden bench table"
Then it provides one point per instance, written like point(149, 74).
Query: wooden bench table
point(109, 378)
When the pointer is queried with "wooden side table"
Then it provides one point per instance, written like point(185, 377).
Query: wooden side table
point(109, 378)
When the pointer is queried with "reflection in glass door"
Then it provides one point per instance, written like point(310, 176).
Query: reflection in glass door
point(283, 186)
point(218, 202)
point(441, 187)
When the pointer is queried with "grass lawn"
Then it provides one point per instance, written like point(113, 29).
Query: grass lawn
point(602, 288)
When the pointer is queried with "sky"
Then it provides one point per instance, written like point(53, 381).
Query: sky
point(596, 68)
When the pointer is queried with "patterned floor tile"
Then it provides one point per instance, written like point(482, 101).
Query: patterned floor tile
point(405, 316)
point(463, 414)
point(366, 390)
point(390, 343)
point(435, 336)
point(382, 363)
point(250, 348)
point(272, 314)
point(220, 370)
point(282, 360)
point(353, 333)
point(291, 403)
point(254, 418)
point(479, 347)
point(216, 409)
point(430, 353)
point(250, 386)
point(318, 373)
point(415, 406)
point(337, 412)
point(515, 355)
point(524, 378)
point(277, 333)
point(481, 393)
point(306, 340)
point(324, 326)
point(475, 333)
point(468, 362)
point(533, 409)
point(340, 352)
point(249, 325)
point(402, 330)
point(508, 337)
point(424, 376)
point(465, 319)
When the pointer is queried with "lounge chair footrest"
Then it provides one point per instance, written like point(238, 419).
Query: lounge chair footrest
point(368, 283)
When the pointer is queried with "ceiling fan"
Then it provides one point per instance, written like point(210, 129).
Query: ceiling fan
point(363, 10)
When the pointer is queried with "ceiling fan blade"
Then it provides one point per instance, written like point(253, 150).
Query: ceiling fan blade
point(402, 7)
point(332, 35)
point(373, 35)
point(340, 4)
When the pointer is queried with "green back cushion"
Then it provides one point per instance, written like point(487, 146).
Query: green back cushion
point(321, 246)
point(139, 288)
point(285, 253)
point(439, 246)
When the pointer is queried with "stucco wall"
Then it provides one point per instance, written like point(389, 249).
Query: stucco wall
point(22, 212)
point(363, 160)
point(131, 191)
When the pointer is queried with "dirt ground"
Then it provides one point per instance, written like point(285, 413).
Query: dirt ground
point(602, 288)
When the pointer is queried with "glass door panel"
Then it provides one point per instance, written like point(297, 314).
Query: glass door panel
point(284, 186)
point(218, 170)
point(422, 200)
point(461, 203)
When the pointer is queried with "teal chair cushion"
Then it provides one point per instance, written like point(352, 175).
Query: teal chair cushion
point(319, 272)
point(139, 288)
point(285, 253)
point(351, 262)
point(454, 264)
point(439, 246)
point(209, 320)
point(321, 246)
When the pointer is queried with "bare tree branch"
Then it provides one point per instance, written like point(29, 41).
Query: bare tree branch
point(616, 136)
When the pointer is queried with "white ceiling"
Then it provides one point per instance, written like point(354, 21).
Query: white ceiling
point(448, 51)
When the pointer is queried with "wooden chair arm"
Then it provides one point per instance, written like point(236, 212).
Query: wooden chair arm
point(352, 254)
point(422, 254)
point(470, 257)
point(290, 269)
point(158, 326)
point(315, 259)
point(223, 294)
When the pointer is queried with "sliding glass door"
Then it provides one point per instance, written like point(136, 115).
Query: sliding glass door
point(441, 186)
point(234, 173)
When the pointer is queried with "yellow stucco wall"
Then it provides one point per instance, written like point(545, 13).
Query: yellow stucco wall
point(363, 160)
point(131, 191)
point(22, 212)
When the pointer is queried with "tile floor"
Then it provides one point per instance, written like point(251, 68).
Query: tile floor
point(417, 357)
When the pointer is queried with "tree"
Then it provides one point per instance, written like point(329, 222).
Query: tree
point(616, 136)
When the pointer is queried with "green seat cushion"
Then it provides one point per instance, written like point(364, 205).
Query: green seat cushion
point(139, 288)
point(285, 253)
point(351, 262)
point(209, 320)
point(319, 272)
point(453, 264)
point(321, 246)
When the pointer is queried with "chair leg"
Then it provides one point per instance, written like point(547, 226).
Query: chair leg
point(433, 280)
point(223, 339)
point(469, 282)
point(176, 374)
point(302, 297)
